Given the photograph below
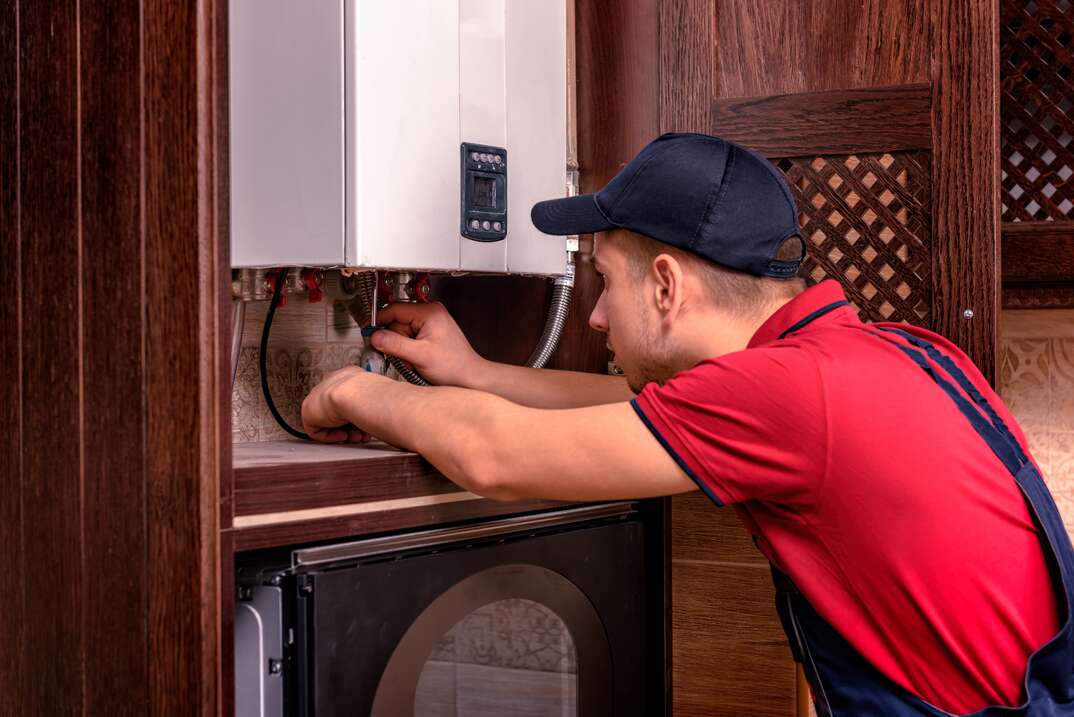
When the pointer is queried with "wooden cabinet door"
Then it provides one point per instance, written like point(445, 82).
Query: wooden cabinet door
point(883, 117)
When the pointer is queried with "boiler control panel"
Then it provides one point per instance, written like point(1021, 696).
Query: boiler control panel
point(484, 192)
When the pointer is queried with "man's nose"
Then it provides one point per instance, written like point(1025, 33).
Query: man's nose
point(597, 320)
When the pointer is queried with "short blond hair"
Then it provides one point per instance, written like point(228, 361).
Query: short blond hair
point(735, 291)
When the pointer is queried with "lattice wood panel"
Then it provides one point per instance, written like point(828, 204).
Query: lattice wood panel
point(865, 219)
point(1037, 125)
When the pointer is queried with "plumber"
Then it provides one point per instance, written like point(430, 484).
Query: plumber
point(920, 563)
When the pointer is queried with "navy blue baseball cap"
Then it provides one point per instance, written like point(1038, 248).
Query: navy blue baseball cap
point(705, 195)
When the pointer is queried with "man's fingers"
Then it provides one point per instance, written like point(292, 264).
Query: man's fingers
point(327, 435)
point(401, 329)
point(390, 342)
point(414, 315)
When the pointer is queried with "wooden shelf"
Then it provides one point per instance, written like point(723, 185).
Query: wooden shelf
point(291, 491)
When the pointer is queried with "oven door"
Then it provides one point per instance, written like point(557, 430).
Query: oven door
point(557, 617)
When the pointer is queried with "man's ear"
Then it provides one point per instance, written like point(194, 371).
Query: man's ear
point(668, 286)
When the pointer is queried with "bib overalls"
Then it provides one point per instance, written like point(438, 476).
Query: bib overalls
point(844, 683)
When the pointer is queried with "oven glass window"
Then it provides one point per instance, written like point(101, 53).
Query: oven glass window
point(511, 657)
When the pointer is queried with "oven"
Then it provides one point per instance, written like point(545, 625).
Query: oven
point(557, 613)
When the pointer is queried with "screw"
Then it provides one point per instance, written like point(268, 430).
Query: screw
point(275, 667)
point(276, 579)
point(967, 314)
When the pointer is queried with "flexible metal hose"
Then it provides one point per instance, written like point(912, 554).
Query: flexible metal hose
point(557, 317)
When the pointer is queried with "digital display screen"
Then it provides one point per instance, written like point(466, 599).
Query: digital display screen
point(484, 192)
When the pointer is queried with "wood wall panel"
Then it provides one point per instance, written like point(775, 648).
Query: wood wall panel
point(53, 587)
point(111, 410)
point(965, 177)
point(114, 549)
point(709, 533)
point(182, 388)
point(618, 84)
point(729, 655)
point(688, 31)
point(11, 605)
point(767, 48)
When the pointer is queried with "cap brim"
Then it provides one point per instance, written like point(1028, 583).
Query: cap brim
point(570, 215)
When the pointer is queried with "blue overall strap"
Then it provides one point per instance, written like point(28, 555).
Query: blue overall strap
point(955, 372)
point(999, 440)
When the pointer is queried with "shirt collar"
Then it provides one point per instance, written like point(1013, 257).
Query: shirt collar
point(814, 298)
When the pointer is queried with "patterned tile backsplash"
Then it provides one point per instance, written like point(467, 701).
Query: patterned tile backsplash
point(308, 342)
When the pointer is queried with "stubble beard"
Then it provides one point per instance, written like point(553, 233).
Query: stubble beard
point(655, 362)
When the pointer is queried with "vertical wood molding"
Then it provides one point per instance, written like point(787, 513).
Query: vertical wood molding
point(114, 416)
point(965, 176)
point(182, 361)
point(52, 442)
point(225, 594)
point(11, 606)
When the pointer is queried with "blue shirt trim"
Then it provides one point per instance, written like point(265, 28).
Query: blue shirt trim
point(671, 452)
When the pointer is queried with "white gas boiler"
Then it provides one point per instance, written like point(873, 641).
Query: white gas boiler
point(397, 134)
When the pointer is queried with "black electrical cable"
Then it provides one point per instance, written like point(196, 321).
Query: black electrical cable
point(281, 279)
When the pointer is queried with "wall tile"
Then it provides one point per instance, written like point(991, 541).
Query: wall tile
point(1036, 380)
point(1025, 380)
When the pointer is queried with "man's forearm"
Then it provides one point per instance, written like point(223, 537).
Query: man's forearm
point(446, 425)
point(549, 388)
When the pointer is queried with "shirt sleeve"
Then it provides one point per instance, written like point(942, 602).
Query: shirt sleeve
point(747, 426)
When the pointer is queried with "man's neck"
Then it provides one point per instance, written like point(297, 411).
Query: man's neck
point(715, 333)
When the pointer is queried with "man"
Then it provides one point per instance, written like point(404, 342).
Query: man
point(918, 558)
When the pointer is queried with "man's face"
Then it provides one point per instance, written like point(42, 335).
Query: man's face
point(633, 325)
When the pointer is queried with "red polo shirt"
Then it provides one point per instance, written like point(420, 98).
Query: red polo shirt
point(861, 480)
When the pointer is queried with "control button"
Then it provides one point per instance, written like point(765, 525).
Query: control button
point(474, 224)
point(486, 157)
point(497, 226)
point(497, 159)
point(485, 225)
point(474, 156)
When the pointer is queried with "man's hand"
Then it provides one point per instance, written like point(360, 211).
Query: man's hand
point(428, 338)
point(322, 416)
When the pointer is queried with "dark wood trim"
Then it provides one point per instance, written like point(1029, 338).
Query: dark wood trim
point(222, 193)
point(359, 475)
point(965, 177)
point(114, 413)
point(226, 673)
point(54, 588)
point(867, 119)
point(182, 355)
point(1039, 296)
point(301, 532)
point(12, 616)
point(1038, 252)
